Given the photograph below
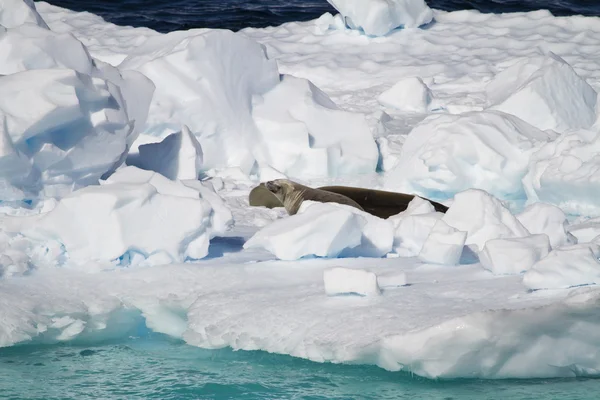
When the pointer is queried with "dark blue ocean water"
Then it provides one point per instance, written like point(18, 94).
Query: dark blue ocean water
point(169, 15)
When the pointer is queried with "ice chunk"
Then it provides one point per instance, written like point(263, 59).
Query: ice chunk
point(350, 281)
point(548, 219)
point(513, 256)
point(566, 267)
point(408, 95)
point(18, 12)
point(134, 210)
point(377, 233)
point(73, 128)
point(412, 232)
point(545, 92)
point(564, 173)
point(483, 217)
point(444, 245)
point(178, 156)
point(392, 280)
point(32, 47)
point(585, 231)
point(416, 206)
point(446, 154)
point(321, 230)
point(326, 230)
point(412, 226)
point(379, 17)
point(194, 88)
point(305, 135)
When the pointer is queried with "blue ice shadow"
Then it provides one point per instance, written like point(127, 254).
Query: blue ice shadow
point(219, 246)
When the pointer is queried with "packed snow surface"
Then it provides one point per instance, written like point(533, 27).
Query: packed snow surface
point(106, 130)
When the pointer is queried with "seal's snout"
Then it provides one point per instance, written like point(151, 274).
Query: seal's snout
point(272, 186)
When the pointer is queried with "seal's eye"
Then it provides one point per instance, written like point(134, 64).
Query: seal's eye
point(272, 187)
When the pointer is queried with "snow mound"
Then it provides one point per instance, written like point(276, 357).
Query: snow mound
point(565, 173)
point(446, 154)
point(407, 95)
point(325, 230)
point(305, 135)
point(545, 92)
point(378, 18)
point(543, 218)
point(566, 267)
point(483, 217)
point(513, 256)
point(178, 156)
point(63, 129)
point(135, 213)
point(444, 245)
point(205, 80)
point(14, 13)
point(350, 281)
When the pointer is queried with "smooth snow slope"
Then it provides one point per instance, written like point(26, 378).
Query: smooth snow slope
point(315, 91)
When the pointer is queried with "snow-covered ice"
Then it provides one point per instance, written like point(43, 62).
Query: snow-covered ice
point(566, 267)
point(341, 100)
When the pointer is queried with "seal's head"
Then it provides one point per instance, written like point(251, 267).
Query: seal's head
point(280, 188)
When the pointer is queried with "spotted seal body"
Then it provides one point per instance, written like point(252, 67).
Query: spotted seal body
point(292, 194)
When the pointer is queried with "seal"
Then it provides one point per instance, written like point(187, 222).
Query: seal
point(379, 202)
point(292, 194)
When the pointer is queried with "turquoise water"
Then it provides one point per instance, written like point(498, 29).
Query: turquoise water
point(156, 367)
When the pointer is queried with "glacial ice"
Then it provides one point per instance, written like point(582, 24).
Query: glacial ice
point(378, 18)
